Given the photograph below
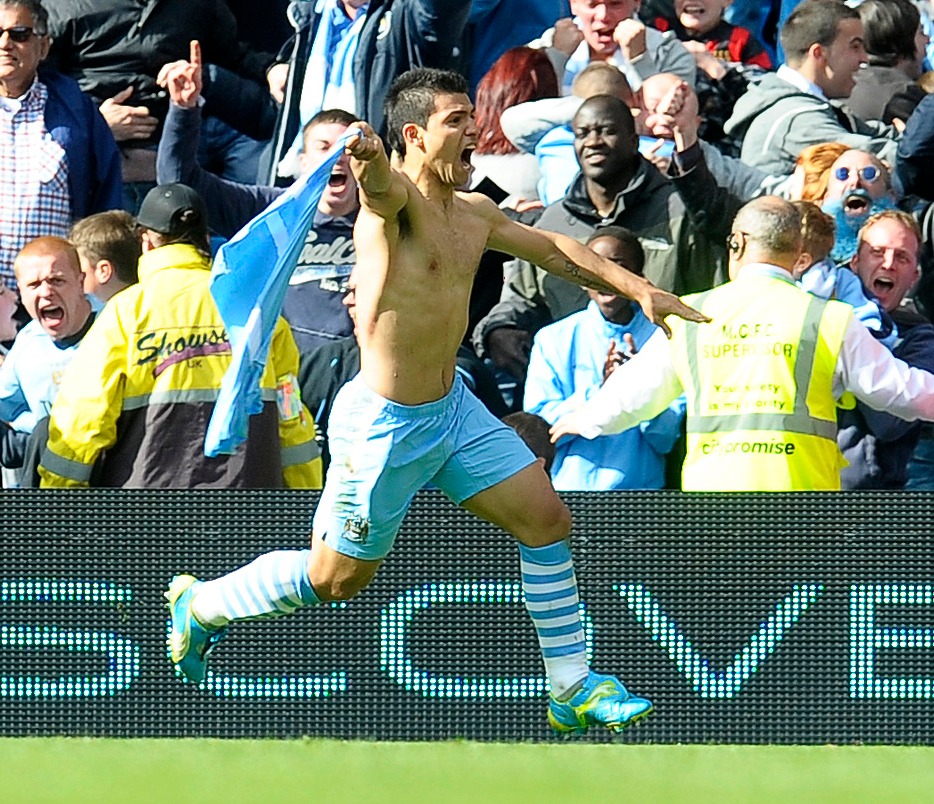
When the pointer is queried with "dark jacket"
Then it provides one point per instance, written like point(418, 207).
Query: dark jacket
point(878, 445)
point(679, 255)
point(397, 36)
point(914, 163)
point(73, 121)
point(884, 93)
point(108, 45)
point(313, 305)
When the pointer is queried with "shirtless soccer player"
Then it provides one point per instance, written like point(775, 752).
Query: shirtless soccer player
point(418, 244)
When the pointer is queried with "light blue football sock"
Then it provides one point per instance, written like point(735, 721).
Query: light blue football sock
point(553, 603)
point(270, 586)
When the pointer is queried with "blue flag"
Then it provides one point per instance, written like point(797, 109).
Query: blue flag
point(248, 282)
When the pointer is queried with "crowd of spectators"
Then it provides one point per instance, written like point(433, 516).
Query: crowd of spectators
point(137, 138)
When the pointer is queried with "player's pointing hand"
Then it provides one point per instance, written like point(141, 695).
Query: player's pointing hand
point(658, 304)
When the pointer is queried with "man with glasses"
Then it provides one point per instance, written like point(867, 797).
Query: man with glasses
point(762, 381)
point(858, 186)
point(58, 159)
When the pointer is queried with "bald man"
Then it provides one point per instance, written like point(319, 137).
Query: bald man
point(762, 381)
point(50, 280)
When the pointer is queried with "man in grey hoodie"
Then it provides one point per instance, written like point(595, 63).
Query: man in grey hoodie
point(793, 108)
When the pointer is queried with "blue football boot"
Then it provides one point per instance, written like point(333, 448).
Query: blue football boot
point(601, 701)
point(190, 642)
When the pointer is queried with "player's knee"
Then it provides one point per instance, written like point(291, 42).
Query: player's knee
point(560, 527)
point(331, 585)
point(332, 589)
point(546, 525)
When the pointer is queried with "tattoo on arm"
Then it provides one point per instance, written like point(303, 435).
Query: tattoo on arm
point(587, 279)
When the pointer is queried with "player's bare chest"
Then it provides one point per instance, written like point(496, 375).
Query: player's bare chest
point(448, 241)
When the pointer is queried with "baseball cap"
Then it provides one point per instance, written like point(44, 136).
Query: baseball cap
point(163, 207)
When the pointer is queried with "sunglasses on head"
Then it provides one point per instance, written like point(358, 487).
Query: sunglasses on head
point(869, 173)
point(18, 33)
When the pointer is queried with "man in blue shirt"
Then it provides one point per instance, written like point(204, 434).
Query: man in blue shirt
point(569, 362)
point(50, 282)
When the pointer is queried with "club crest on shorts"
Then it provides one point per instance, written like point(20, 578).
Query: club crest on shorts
point(356, 528)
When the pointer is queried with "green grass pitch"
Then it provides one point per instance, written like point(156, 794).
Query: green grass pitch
point(78, 770)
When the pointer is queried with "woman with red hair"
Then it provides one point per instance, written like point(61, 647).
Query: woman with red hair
point(521, 74)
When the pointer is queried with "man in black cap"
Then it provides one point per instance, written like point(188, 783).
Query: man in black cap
point(172, 214)
point(143, 385)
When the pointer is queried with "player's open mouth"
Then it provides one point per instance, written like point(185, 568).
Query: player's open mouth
point(465, 156)
point(694, 11)
point(856, 203)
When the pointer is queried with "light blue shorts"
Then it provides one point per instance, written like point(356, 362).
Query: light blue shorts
point(383, 452)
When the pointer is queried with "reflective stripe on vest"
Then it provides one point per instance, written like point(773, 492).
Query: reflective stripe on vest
point(799, 421)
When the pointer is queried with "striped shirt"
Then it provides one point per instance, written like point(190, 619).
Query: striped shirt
point(34, 197)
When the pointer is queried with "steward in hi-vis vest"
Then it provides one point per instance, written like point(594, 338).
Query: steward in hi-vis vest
point(762, 379)
point(758, 381)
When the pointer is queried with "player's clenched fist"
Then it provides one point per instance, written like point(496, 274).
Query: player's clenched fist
point(367, 146)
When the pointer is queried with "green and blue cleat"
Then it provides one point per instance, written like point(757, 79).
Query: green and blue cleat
point(601, 701)
point(190, 642)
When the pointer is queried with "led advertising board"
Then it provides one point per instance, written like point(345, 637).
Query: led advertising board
point(791, 618)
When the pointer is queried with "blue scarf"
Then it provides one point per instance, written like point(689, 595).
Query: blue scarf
point(328, 82)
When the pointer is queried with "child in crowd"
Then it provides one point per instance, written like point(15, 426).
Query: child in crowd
point(700, 22)
point(820, 276)
point(109, 248)
point(726, 55)
point(536, 433)
point(573, 357)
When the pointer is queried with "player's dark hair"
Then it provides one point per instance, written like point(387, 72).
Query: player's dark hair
point(411, 99)
point(813, 22)
point(889, 30)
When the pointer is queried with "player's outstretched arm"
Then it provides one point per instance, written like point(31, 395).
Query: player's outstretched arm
point(382, 190)
point(578, 263)
point(565, 257)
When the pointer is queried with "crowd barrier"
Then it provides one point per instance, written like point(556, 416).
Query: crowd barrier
point(796, 618)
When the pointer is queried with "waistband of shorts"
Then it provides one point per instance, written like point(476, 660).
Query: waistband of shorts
point(412, 412)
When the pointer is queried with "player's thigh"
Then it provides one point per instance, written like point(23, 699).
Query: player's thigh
point(482, 451)
point(525, 505)
point(336, 576)
point(379, 460)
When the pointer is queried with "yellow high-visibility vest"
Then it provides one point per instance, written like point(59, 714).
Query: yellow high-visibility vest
point(761, 413)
